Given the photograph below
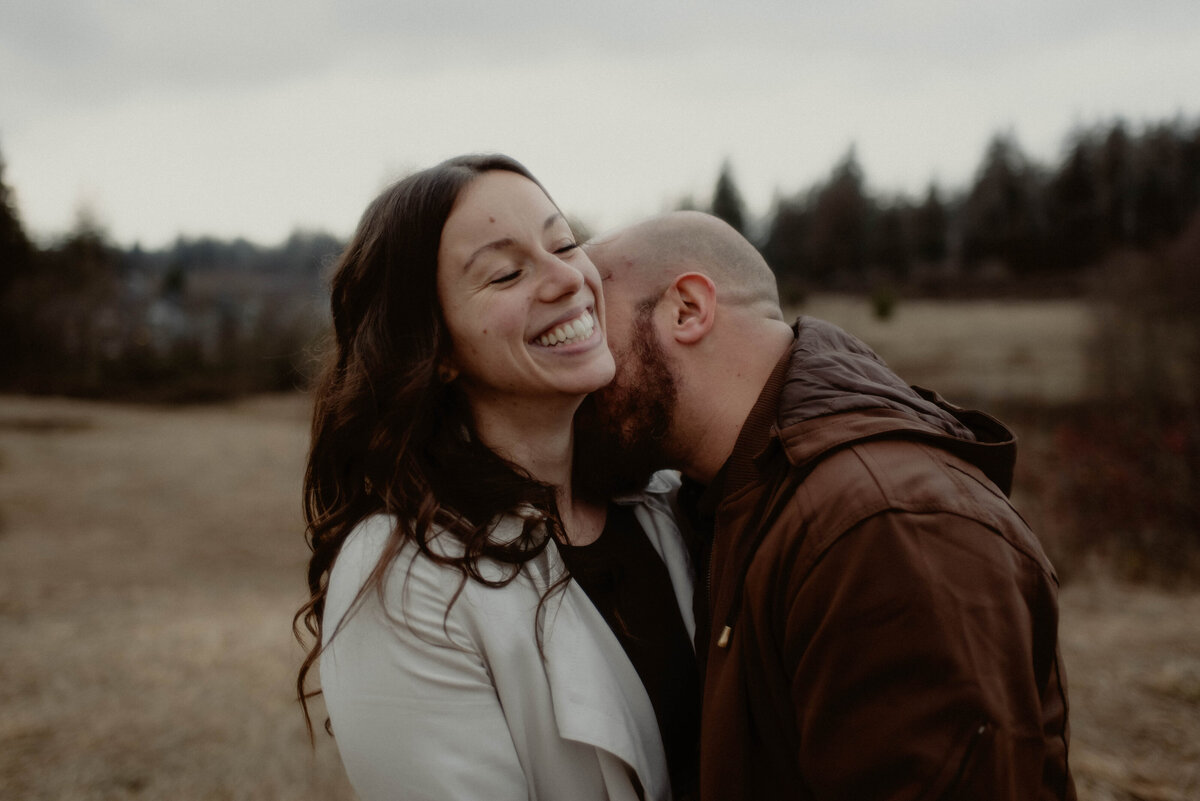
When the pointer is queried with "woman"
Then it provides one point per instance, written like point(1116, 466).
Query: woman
point(459, 657)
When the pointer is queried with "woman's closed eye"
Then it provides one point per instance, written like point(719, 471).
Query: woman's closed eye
point(505, 278)
point(508, 276)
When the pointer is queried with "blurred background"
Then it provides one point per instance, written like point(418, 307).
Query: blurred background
point(1003, 199)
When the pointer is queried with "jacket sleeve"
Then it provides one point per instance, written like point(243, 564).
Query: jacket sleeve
point(914, 662)
point(413, 709)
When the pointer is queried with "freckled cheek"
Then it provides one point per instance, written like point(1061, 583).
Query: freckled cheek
point(503, 324)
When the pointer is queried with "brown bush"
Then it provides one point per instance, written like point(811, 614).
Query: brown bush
point(1128, 466)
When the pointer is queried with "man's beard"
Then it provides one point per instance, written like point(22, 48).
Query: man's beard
point(621, 430)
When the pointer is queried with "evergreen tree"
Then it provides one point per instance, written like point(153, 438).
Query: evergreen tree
point(1114, 168)
point(838, 226)
point(1189, 166)
point(888, 248)
point(1074, 232)
point(785, 248)
point(15, 248)
point(727, 200)
point(930, 228)
point(16, 260)
point(1002, 220)
point(1158, 192)
point(87, 263)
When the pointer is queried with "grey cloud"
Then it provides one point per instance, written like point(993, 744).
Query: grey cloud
point(92, 51)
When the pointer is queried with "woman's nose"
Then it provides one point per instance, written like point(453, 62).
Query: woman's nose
point(560, 278)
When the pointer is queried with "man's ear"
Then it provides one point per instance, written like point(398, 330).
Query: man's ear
point(693, 305)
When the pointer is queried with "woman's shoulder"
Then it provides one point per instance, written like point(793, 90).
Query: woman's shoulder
point(422, 589)
point(415, 586)
point(369, 541)
point(435, 564)
point(365, 544)
point(372, 540)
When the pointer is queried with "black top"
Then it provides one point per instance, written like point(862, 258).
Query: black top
point(628, 582)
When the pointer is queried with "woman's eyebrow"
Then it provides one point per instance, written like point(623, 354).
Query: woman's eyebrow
point(501, 244)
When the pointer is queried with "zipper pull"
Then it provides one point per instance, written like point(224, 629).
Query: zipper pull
point(723, 640)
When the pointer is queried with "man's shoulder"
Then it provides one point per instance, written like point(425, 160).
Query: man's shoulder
point(905, 481)
point(901, 473)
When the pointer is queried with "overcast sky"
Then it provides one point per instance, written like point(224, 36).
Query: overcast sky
point(256, 117)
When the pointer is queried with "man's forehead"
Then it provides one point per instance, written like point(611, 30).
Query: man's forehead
point(609, 254)
point(604, 238)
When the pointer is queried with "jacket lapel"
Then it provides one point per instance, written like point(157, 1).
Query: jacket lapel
point(597, 695)
point(652, 508)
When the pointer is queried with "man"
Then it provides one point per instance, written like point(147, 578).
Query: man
point(882, 623)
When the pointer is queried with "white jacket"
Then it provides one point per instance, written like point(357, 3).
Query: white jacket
point(427, 704)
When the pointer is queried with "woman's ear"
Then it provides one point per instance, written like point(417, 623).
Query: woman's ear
point(693, 299)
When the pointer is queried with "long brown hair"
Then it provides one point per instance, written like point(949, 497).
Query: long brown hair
point(388, 436)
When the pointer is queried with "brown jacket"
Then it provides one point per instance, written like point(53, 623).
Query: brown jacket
point(892, 621)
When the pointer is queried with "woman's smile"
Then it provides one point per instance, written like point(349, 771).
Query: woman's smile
point(575, 330)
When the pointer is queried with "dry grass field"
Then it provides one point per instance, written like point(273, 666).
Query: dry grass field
point(150, 563)
point(982, 351)
point(151, 560)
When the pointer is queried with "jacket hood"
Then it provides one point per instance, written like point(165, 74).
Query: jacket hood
point(837, 391)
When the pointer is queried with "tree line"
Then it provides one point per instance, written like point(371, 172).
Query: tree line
point(210, 317)
point(199, 319)
point(1020, 225)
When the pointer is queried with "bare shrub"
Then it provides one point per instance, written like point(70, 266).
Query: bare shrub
point(1130, 462)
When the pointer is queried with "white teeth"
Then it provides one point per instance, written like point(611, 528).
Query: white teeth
point(579, 328)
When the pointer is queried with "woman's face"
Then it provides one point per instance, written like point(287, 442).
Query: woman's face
point(521, 300)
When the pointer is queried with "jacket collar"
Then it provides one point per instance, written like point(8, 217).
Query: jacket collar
point(743, 465)
point(830, 391)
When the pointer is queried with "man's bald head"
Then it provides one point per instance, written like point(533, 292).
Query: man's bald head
point(692, 317)
point(648, 255)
